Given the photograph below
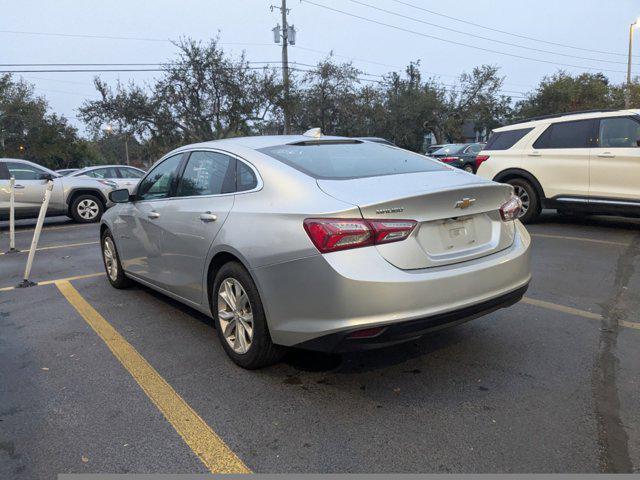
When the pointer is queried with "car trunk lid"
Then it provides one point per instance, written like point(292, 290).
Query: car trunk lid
point(458, 214)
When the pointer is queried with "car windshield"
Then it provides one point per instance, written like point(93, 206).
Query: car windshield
point(353, 159)
point(449, 149)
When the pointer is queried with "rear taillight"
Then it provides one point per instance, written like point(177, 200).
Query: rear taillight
point(511, 209)
point(387, 231)
point(480, 159)
point(449, 159)
point(332, 234)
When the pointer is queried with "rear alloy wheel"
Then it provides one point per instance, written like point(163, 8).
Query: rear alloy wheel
point(112, 264)
point(529, 198)
point(468, 168)
point(87, 209)
point(240, 320)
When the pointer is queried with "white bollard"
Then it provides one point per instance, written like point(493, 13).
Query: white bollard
point(36, 236)
point(12, 216)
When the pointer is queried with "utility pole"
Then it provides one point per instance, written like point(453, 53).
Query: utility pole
point(627, 96)
point(287, 34)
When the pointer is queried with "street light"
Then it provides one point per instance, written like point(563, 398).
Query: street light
point(627, 97)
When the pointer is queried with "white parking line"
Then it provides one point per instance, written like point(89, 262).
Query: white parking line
point(575, 311)
point(50, 282)
point(46, 229)
point(54, 247)
point(580, 239)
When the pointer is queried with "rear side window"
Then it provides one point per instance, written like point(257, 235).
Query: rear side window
point(245, 179)
point(506, 140)
point(102, 173)
point(344, 160)
point(566, 135)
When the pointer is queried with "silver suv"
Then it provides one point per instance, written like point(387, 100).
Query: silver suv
point(81, 198)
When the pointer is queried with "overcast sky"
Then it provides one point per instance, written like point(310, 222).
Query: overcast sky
point(589, 25)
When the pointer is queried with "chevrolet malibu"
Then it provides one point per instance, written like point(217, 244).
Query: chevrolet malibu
point(325, 243)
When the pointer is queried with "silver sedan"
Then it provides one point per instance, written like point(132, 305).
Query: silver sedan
point(325, 243)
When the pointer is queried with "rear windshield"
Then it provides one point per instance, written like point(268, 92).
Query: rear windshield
point(505, 140)
point(337, 161)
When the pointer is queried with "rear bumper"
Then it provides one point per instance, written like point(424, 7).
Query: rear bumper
point(338, 293)
point(405, 331)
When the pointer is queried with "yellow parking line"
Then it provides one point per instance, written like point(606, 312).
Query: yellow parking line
point(575, 311)
point(204, 442)
point(580, 239)
point(53, 247)
point(66, 279)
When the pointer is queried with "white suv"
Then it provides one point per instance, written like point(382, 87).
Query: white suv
point(587, 162)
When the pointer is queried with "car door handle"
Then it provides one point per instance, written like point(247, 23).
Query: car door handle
point(18, 187)
point(534, 154)
point(606, 155)
point(208, 217)
point(153, 215)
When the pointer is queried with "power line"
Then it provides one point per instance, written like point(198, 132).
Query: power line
point(397, 67)
point(395, 27)
point(526, 37)
point(107, 64)
point(115, 37)
point(461, 32)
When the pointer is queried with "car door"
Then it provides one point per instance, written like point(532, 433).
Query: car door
point(128, 178)
point(559, 159)
point(194, 216)
point(138, 225)
point(29, 189)
point(615, 161)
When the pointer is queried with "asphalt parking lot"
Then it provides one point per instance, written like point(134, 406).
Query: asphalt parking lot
point(100, 380)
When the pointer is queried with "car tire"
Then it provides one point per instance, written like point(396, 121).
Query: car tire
point(87, 208)
point(469, 168)
point(111, 261)
point(242, 329)
point(529, 197)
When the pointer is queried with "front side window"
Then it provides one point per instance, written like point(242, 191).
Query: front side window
point(130, 173)
point(506, 140)
point(618, 132)
point(159, 182)
point(23, 171)
point(341, 160)
point(566, 135)
point(207, 173)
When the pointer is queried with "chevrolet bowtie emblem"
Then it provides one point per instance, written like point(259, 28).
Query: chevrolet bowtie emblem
point(465, 203)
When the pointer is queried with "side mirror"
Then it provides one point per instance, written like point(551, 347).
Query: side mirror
point(119, 196)
point(46, 176)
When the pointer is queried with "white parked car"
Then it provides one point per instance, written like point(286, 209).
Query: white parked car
point(124, 175)
point(583, 162)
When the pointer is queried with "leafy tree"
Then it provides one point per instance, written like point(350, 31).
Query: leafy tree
point(563, 92)
point(202, 95)
point(28, 130)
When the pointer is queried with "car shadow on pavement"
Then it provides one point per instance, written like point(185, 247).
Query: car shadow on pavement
point(371, 360)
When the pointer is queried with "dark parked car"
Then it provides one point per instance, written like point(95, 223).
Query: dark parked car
point(460, 155)
point(432, 148)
